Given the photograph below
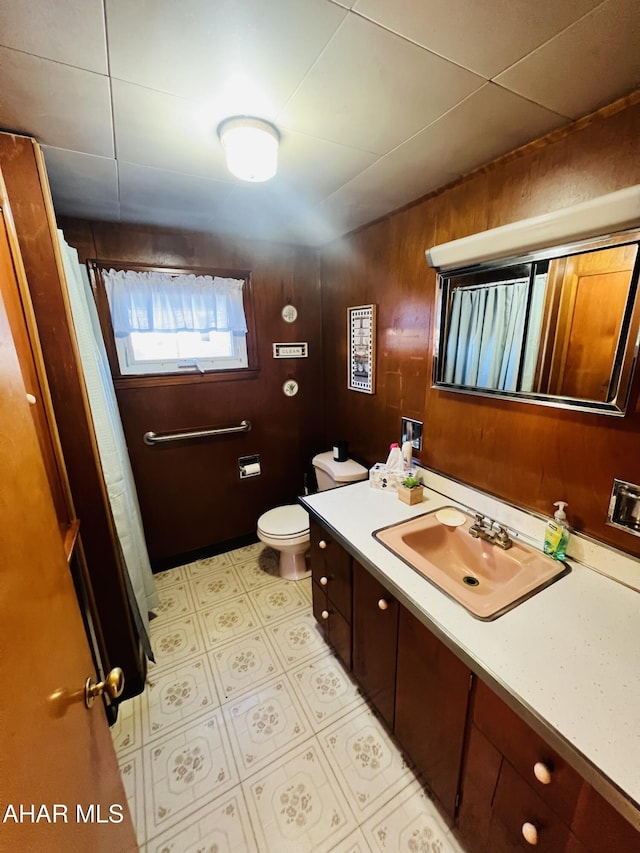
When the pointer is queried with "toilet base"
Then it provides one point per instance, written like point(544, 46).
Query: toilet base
point(293, 566)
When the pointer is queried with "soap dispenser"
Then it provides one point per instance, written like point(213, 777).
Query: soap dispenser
point(556, 534)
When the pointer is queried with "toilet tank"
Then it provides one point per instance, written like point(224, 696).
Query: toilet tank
point(331, 474)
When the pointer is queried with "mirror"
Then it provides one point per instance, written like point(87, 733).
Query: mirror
point(557, 327)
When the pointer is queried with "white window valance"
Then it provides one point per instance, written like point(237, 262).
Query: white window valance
point(156, 301)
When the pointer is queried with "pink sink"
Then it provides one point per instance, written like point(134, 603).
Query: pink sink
point(481, 576)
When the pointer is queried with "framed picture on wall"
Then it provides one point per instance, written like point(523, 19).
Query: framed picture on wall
point(361, 356)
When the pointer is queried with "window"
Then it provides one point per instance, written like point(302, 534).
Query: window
point(163, 322)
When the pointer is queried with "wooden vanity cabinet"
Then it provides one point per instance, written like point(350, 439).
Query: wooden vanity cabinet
point(331, 589)
point(432, 693)
point(375, 641)
point(517, 793)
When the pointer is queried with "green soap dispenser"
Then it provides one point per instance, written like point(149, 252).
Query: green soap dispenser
point(556, 534)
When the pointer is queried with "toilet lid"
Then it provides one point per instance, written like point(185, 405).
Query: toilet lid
point(284, 521)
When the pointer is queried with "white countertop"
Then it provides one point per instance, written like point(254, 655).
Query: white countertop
point(569, 656)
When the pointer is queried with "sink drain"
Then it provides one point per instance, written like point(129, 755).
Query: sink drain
point(470, 581)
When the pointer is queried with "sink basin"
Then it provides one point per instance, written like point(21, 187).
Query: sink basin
point(482, 577)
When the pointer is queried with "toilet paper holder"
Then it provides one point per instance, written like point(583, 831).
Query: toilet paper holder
point(249, 466)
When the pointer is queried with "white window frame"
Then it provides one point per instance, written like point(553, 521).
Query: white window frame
point(130, 366)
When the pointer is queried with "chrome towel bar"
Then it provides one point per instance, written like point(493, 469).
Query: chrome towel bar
point(154, 438)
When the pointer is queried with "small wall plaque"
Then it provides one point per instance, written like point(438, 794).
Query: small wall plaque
point(297, 350)
point(361, 338)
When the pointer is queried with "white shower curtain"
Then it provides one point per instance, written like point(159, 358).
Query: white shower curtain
point(110, 439)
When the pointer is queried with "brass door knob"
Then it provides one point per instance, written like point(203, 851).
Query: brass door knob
point(113, 685)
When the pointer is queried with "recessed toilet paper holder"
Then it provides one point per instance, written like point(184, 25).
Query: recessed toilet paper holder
point(249, 466)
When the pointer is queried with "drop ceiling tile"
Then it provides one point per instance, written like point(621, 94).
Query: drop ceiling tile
point(487, 124)
point(596, 60)
point(82, 185)
point(485, 36)
point(165, 132)
point(317, 166)
point(157, 197)
point(61, 106)
point(237, 56)
point(371, 89)
point(71, 32)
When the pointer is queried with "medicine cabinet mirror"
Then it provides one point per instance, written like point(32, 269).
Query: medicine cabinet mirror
point(557, 327)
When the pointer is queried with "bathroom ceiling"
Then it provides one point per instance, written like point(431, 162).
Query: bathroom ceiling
point(378, 101)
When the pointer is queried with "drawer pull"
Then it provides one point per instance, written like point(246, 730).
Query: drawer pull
point(382, 604)
point(322, 544)
point(324, 581)
point(542, 773)
point(325, 614)
point(530, 834)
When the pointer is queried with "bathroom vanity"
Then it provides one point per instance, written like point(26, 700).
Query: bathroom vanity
point(524, 729)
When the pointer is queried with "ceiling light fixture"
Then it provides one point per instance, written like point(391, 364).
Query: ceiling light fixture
point(251, 147)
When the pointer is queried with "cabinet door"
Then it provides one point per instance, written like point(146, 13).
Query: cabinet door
point(375, 635)
point(432, 693)
point(331, 568)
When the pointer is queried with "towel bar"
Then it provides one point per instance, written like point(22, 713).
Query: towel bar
point(154, 438)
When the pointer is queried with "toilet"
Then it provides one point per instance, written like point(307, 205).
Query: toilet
point(286, 528)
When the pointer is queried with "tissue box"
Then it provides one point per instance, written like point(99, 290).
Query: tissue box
point(380, 478)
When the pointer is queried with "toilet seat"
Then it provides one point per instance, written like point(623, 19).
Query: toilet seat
point(284, 522)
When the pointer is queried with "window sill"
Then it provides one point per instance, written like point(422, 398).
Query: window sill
point(125, 382)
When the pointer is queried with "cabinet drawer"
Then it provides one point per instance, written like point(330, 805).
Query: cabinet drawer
point(517, 806)
point(557, 783)
point(331, 568)
point(334, 627)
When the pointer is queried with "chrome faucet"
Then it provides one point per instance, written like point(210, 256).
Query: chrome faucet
point(490, 531)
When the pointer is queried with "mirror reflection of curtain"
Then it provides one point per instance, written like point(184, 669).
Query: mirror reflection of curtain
point(485, 341)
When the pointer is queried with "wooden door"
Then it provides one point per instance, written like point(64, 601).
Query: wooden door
point(60, 787)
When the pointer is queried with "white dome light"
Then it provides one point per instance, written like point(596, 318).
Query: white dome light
point(251, 147)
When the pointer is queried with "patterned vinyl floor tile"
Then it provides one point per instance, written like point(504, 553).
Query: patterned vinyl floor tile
point(295, 804)
point(175, 697)
point(297, 638)
point(222, 826)
point(251, 738)
point(264, 724)
point(368, 764)
point(409, 822)
point(243, 664)
point(185, 770)
point(324, 689)
point(228, 619)
point(175, 641)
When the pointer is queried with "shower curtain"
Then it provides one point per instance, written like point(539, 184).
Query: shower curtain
point(111, 442)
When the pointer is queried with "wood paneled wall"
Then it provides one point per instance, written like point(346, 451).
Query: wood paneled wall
point(190, 493)
point(529, 455)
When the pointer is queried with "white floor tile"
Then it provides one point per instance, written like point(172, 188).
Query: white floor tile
point(243, 664)
point(131, 770)
point(203, 567)
point(370, 768)
point(297, 638)
point(216, 586)
point(228, 619)
point(409, 822)
point(222, 826)
point(170, 577)
point(175, 697)
point(126, 732)
point(175, 601)
point(264, 724)
point(325, 690)
point(175, 641)
point(276, 601)
point(186, 770)
point(295, 805)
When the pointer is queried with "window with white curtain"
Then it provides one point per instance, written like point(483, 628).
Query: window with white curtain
point(165, 322)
